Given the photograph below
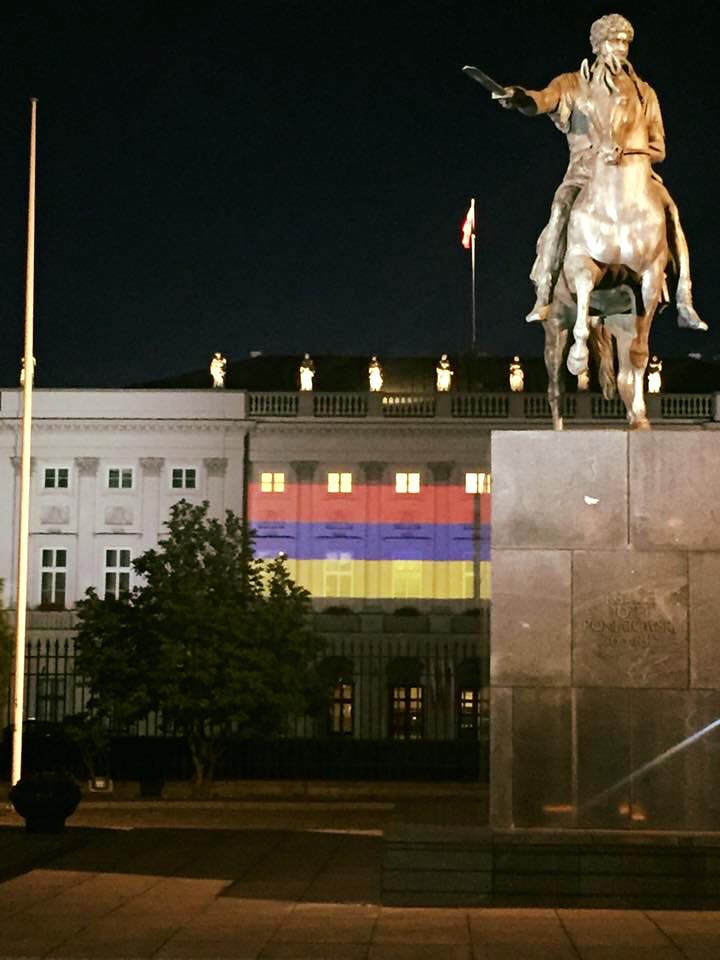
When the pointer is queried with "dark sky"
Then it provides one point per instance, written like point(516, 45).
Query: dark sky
point(290, 176)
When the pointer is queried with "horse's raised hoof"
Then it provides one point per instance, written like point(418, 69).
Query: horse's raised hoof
point(538, 315)
point(642, 424)
point(689, 318)
point(577, 360)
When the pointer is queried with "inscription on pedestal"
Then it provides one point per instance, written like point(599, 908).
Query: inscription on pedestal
point(629, 620)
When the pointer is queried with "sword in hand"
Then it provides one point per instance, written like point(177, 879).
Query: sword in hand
point(508, 97)
point(492, 86)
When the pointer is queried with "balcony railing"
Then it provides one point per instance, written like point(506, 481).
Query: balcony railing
point(272, 404)
point(407, 405)
point(485, 406)
point(687, 406)
point(508, 407)
point(340, 404)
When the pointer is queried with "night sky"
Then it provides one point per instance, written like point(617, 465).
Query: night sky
point(291, 176)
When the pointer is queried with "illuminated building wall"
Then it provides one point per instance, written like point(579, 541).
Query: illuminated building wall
point(403, 535)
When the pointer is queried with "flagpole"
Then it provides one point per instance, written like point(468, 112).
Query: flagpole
point(472, 261)
point(25, 450)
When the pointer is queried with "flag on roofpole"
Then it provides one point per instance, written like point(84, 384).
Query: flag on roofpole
point(468, 228)
point(468, 241)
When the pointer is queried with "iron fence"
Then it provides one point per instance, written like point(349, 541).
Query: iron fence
point(442, 738)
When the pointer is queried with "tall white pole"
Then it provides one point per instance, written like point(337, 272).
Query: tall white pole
point(25, 450)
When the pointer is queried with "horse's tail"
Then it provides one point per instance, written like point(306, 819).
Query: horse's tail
point(602, 346)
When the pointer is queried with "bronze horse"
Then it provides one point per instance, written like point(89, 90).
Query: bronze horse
point(613, 273)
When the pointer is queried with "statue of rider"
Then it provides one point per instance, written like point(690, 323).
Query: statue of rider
point(610, 39)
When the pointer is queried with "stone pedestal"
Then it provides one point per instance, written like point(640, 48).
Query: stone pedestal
point(605, 630)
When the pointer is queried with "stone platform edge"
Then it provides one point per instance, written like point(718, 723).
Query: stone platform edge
point(429, 866)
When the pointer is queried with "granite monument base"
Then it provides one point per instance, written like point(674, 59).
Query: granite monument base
point(605, 630)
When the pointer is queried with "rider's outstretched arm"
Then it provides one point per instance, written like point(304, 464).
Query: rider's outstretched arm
point(533, 102)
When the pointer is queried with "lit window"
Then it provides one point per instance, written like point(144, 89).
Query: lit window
point(473, 713)
point(56, 478)
point(120, 478)
point(468, 714)
point(339, 483)
point(477, 483)
point(406, 713)
point(184, 478)
point(272, 482)
point(341, 710)
point(407, 483)
point(406, 579)
point(338, 575)
point(53, 578)
point(117, 572)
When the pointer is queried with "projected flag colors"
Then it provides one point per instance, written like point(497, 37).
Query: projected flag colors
point(345, 537)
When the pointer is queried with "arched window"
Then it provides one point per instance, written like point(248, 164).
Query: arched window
point(338, 675)
point(407, 698)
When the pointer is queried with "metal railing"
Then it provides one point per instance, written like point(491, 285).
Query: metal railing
point(433, 669)
point(54, 689)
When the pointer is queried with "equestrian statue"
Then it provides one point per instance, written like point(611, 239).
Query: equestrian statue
point(614, 232)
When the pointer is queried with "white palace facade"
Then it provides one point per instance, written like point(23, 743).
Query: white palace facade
point(375, 499)
point(381, 503)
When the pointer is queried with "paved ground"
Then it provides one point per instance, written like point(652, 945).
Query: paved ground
point(261, 881)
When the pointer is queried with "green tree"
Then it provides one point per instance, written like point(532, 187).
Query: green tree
point(6, 657)
point(216, 640)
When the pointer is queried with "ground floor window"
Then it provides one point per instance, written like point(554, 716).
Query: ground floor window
point(472, 713)
point(341, 710)
point(406, 713)
point(117, 572)
point(53, 578)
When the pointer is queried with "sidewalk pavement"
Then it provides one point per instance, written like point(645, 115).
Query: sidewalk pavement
point(285, 881)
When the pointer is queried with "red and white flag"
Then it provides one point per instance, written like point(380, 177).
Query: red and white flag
point(468, 228)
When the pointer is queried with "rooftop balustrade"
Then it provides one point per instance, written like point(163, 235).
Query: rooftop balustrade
point(578, 408)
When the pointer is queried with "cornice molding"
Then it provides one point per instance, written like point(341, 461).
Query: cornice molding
point(131, 426)
point(375, 427)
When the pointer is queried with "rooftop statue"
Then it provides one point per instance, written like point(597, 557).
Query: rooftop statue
point(307, 372)
point(375, 376)
point(654, 375)
point(22, 371)
point(218, 366)
point(516, 376)
point(443, 374)
point(613, 223)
